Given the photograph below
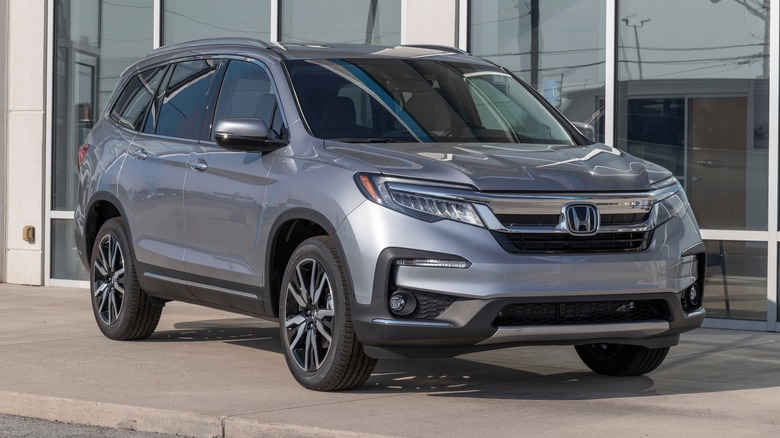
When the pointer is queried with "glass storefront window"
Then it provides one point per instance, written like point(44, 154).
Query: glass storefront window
point(95, 42)
point(343, 21)
point(736, 280)
point(693, 96)
point(65, 262)
point(557, 47)
point(185, 20)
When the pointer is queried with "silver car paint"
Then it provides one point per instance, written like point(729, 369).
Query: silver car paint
point(496, 273)
point(217, 223)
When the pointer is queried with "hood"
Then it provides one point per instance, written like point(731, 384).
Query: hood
point(511, 167)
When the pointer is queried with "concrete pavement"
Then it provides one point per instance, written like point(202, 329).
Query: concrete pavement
point(210, 373)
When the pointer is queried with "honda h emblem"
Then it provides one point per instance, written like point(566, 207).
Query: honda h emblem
point(582, 219)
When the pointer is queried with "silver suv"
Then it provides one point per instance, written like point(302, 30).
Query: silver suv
point(379, 202)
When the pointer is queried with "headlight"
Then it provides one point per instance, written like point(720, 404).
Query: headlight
point(674, 205)
point(421, 206)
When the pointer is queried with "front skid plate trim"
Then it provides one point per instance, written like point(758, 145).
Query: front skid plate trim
point(410, 323)
point(577, 332)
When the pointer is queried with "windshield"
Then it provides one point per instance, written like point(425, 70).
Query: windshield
point(419, 100)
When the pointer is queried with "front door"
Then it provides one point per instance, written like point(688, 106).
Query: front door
point(224, 195)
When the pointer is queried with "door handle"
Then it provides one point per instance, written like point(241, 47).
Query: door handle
point(199, 164)
point(139, 154)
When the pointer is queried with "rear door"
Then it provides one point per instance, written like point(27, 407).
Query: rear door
point(154, 172)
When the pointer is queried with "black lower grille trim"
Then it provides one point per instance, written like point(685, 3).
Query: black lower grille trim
point(597, 312)
point(564, 243)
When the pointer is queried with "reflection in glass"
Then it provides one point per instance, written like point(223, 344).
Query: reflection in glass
point(95, 42)
point(65, 261)
point(343, 21)
point(697, 102)
point(735, 282)
point(186, 20)
point(557, 47)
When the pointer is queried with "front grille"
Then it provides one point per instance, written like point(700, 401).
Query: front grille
point(550, 220)
point(529, 220)
point(600, 312)
point(552, 243)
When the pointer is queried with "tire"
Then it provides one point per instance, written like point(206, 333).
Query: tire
point(122, 309)
point(620, 359)
point(315, 323)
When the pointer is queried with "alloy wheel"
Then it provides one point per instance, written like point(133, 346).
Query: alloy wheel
point(309, 318)
point(108, 282)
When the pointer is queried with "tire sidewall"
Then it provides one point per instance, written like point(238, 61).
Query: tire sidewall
point(317, 249)
point(116, 228)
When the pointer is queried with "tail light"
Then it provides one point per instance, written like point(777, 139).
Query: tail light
point(82, 152)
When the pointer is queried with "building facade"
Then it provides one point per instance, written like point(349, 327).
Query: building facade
point(689, 84)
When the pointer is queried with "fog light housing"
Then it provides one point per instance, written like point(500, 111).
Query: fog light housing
point(694, 297)
point(402, 303)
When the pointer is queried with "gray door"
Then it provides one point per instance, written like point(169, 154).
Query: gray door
point(223, 205)
point(153, 179)
point(224, 194)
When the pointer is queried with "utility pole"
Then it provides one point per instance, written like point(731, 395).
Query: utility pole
point(636, 37)
point(371, 22)
point(535, 44)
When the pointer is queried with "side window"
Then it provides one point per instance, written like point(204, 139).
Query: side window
point(131, 105)
point(247, 91)
point(184, 101)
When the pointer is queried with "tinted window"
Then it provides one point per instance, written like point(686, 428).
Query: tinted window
point(184, 101)
point(384, 100)
point(131, 106)
point(247, 92)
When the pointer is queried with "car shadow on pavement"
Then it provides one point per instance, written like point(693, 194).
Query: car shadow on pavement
point(247, 332)
point(468, 379)
point(710, 365)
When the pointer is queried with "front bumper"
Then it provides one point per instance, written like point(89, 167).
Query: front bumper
point(474, 297)
point(469, 325)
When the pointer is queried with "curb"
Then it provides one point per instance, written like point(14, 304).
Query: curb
point(124, 417)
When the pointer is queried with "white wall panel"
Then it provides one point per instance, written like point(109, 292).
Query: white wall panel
point(429, 22)
point(25, 161)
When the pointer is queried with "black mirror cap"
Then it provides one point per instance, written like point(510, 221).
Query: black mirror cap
point(585, 129)
point(245, 134)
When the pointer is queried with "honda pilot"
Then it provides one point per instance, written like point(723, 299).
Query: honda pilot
point(378, 202)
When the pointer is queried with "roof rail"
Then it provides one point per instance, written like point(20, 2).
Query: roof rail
point(440, 47)
point(209, 42)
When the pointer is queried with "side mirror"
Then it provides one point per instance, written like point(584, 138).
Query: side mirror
point(245, 134)
point(585, 129)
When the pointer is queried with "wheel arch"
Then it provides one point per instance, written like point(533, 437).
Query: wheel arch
point(102, 208)
point(288, 231)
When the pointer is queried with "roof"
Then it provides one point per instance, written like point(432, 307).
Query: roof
point(288, 51)
point(307, 51)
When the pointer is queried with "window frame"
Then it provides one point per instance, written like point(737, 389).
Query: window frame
point(208, 110)
point(207, 136)
point(111, 110)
